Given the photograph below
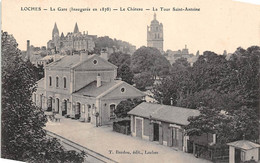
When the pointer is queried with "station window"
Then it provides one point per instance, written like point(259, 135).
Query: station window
point(65, 82)
point(57, 81)
point(50, 82)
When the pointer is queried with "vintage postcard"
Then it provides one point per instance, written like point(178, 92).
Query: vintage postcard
point(123, 81)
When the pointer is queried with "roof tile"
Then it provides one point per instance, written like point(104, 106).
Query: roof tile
point(167, 113)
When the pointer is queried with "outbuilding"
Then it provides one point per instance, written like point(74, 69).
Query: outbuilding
point(243, 150)
point(161, 123)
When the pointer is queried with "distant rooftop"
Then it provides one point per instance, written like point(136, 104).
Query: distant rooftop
point(66, 62)
point(91, 90)
point(48, 57)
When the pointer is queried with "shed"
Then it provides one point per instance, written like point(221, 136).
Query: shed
point(243, 150)
point(161, 123)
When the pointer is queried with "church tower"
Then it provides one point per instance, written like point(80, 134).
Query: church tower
point(56, 37)
point(155, 34)
point(76, 28)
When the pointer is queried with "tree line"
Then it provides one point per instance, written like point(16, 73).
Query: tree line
point(142, 68)
point(225, 91)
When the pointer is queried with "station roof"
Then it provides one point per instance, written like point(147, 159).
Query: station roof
point(166, 113)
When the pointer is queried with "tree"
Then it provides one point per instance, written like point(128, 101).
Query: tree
point(38, 71)
point(122, 61)
point(143, 80)
point(125, 106)
point(148, 59)
point(119, 59)
point(166, 90)
point(102, 42)
point(227, 127)
point(238, 90)
point(205, 122)
point(125, 73)
point(174, 86)
point(209, 98)
point(209, 71)
point(23, 137)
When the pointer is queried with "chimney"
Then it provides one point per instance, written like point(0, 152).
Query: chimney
point(55, 57)
point(171, 101)
point(98, 80)
point(28, 50)
point(83, 55)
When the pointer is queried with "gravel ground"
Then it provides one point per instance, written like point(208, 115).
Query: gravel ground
point(119, 147)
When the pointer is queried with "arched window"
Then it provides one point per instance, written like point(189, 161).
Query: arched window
point(50, 81)
point(83, 108)
point(89, 107)
point(65, 82)
point(93, 109)
point(57, 81)
point(57, 109)
point(112, 109)
point(49, 104)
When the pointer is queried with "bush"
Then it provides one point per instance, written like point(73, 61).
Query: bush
point(123, 127)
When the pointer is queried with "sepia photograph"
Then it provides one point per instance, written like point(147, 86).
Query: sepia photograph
point(122, 81)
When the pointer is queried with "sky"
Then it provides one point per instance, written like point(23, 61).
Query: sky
point(219, 25)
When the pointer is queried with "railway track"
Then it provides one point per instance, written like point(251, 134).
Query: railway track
point(91, 156)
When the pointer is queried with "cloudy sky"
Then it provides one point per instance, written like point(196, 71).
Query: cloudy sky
point(219, 25)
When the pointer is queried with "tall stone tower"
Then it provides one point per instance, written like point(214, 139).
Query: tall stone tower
point(155, 34)
point(56, 38)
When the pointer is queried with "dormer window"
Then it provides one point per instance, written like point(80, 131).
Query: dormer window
point(50, 82)
point(57, 81)
point(65, 82)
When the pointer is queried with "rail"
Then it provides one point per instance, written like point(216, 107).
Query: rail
point(99, 157)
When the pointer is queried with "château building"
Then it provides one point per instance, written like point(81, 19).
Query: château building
point(155, 34)
point(73, 41)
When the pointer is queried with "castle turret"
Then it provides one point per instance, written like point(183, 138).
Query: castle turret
point(56, 38)
point(55, 31)
point(76, 28)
